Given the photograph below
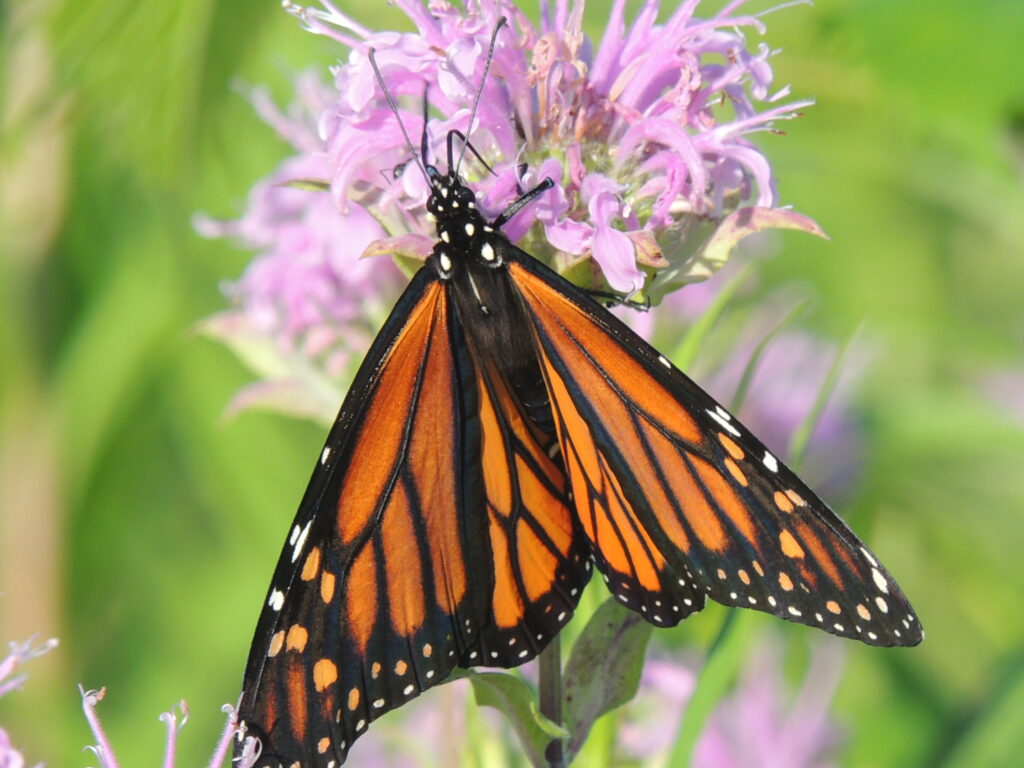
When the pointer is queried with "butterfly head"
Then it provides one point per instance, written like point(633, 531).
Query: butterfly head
point(462, 232)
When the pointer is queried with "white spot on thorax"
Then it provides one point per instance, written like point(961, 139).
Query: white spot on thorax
point(487, 252)
point(446, 263)
point(445, 236)
point(470, 229)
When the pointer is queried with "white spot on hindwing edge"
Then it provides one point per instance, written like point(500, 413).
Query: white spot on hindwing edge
point(324, 455)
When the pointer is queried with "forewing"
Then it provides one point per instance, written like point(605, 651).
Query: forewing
point(379, 591)
point(673, 491)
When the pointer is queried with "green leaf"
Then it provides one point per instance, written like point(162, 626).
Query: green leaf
point(592, 685)
point(705, 245)
point(512, 696)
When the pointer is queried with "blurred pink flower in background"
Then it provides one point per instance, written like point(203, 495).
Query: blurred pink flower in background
point(762, 722)
point(17, 655)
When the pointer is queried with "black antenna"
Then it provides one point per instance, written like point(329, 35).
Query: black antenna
point(394, 110)
point(479, 91)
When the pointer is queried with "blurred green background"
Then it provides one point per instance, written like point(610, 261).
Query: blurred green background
point(141, 528)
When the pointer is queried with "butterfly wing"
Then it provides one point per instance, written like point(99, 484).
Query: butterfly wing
point(374, 598)
point(678, 498)
point(435, 532)
point(539, 556)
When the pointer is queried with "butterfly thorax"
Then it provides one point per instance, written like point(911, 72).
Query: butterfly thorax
point(463, 233)
point(470, 256)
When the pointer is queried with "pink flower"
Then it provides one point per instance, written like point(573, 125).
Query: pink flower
point(645, 135)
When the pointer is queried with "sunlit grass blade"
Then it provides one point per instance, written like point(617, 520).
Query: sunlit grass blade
point(802, 434)
point(755, 358)
point(685, 352)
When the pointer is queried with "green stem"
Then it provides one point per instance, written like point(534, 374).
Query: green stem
point(550, 693)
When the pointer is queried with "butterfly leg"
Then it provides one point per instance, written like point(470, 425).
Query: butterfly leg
point(524, 199)
point(611, 299)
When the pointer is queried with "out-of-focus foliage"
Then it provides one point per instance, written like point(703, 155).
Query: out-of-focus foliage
point(141, 528)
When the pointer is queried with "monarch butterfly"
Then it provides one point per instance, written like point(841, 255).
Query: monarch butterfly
point(504, 435)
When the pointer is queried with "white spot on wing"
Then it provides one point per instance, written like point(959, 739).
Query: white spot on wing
point(723, 413)
point(300, 542)
point(325, 454)
point(869, 557)
point(880, 581)
point(771, 462)
point(664, 361)
point(470, 229)
point(723, 423)
point(276, 599)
